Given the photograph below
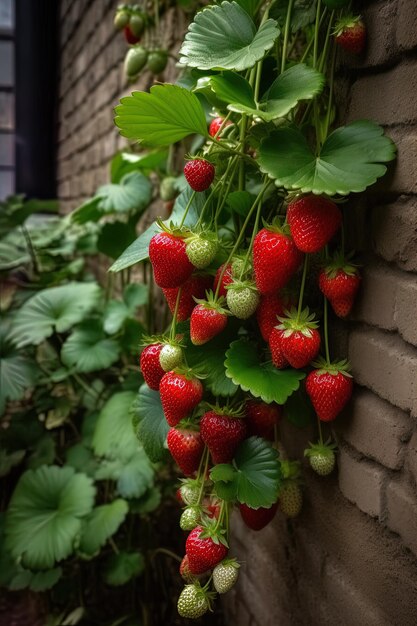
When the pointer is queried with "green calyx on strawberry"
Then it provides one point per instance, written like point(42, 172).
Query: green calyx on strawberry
point(339, 282)
point(329, 387)
point(242, 298)
point(321, 457)
point(290, 495)
point(350, 34)
point(201, 249)
point(205, 547)
point(208, 319)
point(194, 601)
point(225, 575)
point(222, 430)
point(299, 338)
point(190, 517)
point(190, 491)
point(171, 355)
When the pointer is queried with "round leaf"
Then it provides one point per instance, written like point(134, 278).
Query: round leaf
point(114, 437)
point(17, 373)
point(133, 192)
point(45, 514)
point(152, 427)
point(88, 349)
point(101, 524)
point(123, 567)
point(225, 37)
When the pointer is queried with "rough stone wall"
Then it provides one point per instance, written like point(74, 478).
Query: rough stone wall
point(351, 557)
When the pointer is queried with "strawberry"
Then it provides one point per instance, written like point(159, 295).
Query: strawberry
point(339, 282)
point(201, 249)
point(242, 298)
point(121, 19)
point(169, 260)
point(270, 307)
point(261, 418)
point(150, 366)
point(298, 337)
point(256, 519)
point(216, 124)
point(190, 491)
point(290, 495)
point(330, 388)
point(222, 430)
point(180, 394)
point(321, 457)
point(193, 601)
point(226, 279)
point(211, 507)
point(186, 447)
point(129, 36)
point(190, 518)
point(185, 571)
point(195, 287)
point(278, 358)
point(208, 319)
point(170, 356)
point(350, 34)
point(168, 189)
point(225, 575)
point(204, 549)
point(199, 174)
point(137, 23)
point(275, 259)
point(313, 221)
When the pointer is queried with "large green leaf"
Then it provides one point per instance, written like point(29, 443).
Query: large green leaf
point(45, 514)
point(88, 349)
point(101, 524)
point(118, 311)
point(139, 250)
point(350, 160)
point(225, 37)
point(133, 476)
point(263, 380)
point(166, 114)
point(133, 192)
point(17, 372)
point(303, 13)
point(254, 477)
point(114, 437)
point(114, 237)
point(152, 426)
point(36, 581)
point(55, 309)
point(88, 211)
point(122, 567)
point(231, 87)
point(124, 162)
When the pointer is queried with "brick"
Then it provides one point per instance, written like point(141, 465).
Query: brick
point(376, 299)
point(412, 458)
point(362, 482)
point(385, 364)
point(394, 232)
point(402, 512)
point(402, 173)
point(406, 308)
point(406, 31)
point(376, 429)
point(388, 98)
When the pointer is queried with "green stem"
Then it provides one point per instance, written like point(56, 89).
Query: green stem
point(224, 195)
point(113, 545)
point(242, 137)
point(303, 283)
point(316, 33)
point(227, 148)
point(187, 208)
point(327, 42)
point(254, 232)
point(168, 553)
point(320, 431)
point(203, 476)
point(174, 318)
point(84, 385)
point(31, 249)
point(331, 89)
point(286, 35)
point(326, 331)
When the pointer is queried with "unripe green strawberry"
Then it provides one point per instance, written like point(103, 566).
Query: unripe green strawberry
point(135, 61)
point(322, 457)
point(157, 61)
point(201, 250)
point(193, 602)
point(291, 498)
point(170, 357)
point(242, 299)
point(237, 267)
point(121, 19)
point(190, 492)
point(137, 24)
point(225, 575)
point(167, 189)
point(190, 518)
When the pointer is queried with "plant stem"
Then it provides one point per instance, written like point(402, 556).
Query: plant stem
point(286, 35)
point(242, 137)
point(113, 545)
point(168, 553)
point(320, 431)
point(203, 476)
point(84, 385)
point(31, 249)
point(316, 33)
point(254, 232)
point(331, 88)
point(326, 332)
point(327, 41)
point(302, 287)
point(187, 208)
point(174, 318)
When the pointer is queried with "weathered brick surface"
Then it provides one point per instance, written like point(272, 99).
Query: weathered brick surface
point(362, 482)
point(394, 231)
point(402, 512)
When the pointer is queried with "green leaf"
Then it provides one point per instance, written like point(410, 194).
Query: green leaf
point(88, 211)
point(239, 202)
point(36, 581)
point(349, 161)
point(233, 88)
point(114, 437)
point(263, 380)
point(225, 37)
point(254, 477)
point(133, 476)
point(8, 460)
point(298, 410)
point(148, 503)
point(81, 459)
point(303, 13)
point(166, 114)
point(122, 567)
point(101, 524)
point(45, 513)
point(117, 312)
point(88, 349)
point(213, 363)
point(43, 453)
point(55, 309)
point(250, 6)
point(139, 250)
point(114, 237)
point(124, 162)
point(133, 192)
point(17, 372)
point(152, 427)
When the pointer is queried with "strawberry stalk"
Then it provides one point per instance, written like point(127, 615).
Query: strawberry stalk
point(187, 208)
point(174, 318)
point(287, 33)
point(202, 475)
point(302, 287)
point(254, 232)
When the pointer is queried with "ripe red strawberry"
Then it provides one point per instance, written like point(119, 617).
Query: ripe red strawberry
point(227, 279)
point(195, 287)
point(330, 388)
point(199, 174)
point(186, 447)
point(298, 338)
point(215, 125)
point(202, 550)
point(222, 431)
point(169, 260)
point(275, 259)
point(185, 571)
point(256, 519)
point(269, 309)
point(212, 507)
point(208, 319)
point(313, 221)
point(351, 34)
point(129, 36)
point(180, 394)
point(278, 358)
point(150, 366)
point(339, 282)
point(261, 418)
